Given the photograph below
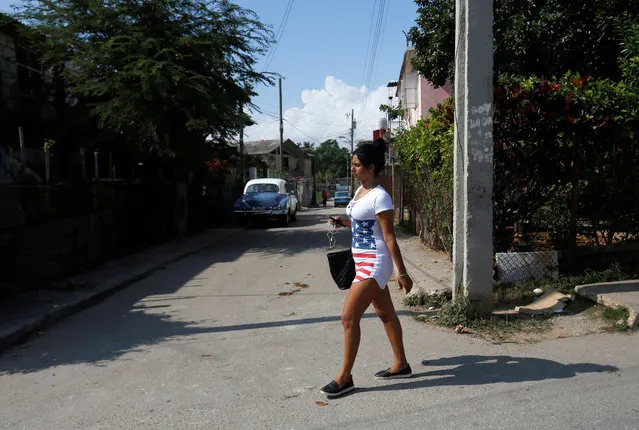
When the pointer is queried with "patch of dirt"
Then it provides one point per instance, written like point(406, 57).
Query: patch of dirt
point(431, 270)
point(578, 319)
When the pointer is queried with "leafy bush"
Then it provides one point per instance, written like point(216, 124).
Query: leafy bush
point(564, 150)
point(425, 152)
point(454, 312)
point(568, 141)
point(566, 284)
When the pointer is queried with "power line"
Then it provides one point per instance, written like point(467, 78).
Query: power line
point(374, 46)
point(315, 139)
point(368, 45)
point(378, 30)
point(295, 127)
point(280, 32)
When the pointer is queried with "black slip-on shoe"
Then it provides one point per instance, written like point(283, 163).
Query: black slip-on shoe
point(333, 390)
point(406, 372)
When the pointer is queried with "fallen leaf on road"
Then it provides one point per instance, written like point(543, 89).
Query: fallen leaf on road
point(461, 329)
point(285, 293)
point(206, 355)
point(321, 403)
point(301, 285)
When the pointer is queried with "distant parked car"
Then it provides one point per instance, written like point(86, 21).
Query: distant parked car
point(342, 198)
point(266, 198)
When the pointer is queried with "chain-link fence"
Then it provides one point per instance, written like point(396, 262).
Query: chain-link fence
point(514, 267)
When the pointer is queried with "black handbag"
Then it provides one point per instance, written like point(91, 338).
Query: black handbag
point(342, 267)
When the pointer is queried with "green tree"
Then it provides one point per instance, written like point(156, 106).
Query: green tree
point(540, 37)
point(330, 160)
point(160, 74)
point(393, 112)
point(629, 36)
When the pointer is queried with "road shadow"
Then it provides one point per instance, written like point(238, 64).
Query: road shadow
point(145, 314)
point(148, 311)
point(468, 370)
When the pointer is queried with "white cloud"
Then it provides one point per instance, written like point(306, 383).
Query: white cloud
point(323, 115)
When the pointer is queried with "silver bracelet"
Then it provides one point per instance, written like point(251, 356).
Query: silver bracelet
point(404, 274)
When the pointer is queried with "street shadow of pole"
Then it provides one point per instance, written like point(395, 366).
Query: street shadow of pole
point(480, 370)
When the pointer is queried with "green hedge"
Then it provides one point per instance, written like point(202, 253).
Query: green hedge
point(565, 153)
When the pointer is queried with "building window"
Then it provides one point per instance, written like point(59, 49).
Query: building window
point(30, 82)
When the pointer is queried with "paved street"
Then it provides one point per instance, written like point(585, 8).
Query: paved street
point(223, 339)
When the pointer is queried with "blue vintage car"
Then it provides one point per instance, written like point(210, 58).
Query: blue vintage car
point(266, 198)
point(342, 198)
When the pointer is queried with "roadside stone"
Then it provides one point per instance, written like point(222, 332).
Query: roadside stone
point(435, 299)
point(419, 293)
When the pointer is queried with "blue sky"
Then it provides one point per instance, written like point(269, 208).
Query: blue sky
point(322, 53)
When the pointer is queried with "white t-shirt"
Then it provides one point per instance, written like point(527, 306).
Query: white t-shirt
point(367, 233)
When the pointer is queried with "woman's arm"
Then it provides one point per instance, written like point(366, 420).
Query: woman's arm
point(386, 220)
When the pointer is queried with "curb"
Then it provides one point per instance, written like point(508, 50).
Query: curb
point(611, 294)
point(26, 329)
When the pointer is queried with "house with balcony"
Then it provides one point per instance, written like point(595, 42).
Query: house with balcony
point(416, 94)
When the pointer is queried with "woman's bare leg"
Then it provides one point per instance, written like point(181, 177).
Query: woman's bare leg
point(385, 310)
point(359, 298)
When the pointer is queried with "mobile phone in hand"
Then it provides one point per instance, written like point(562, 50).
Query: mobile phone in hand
point(337, 221)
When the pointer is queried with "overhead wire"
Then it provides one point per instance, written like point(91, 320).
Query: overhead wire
point(280, 32)
point(378, 20)
point(376, 38)
point(368, 45)
point(316, 140)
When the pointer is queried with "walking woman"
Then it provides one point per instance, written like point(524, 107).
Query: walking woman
point(374, 247)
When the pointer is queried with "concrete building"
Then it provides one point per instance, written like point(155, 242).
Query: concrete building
point(22, 75)
point(416, 94)
point(23, 103)
point(297, 165)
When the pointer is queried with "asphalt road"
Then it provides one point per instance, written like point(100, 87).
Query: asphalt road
point(225, 339)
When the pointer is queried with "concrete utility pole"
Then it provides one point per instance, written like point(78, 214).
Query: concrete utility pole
point(281, 132)
point(473, 170)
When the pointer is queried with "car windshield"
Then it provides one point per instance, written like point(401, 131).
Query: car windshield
point(263, 188)
point(342, 194)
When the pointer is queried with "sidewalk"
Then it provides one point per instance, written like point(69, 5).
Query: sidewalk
point(33, 311)
point(430, 270)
